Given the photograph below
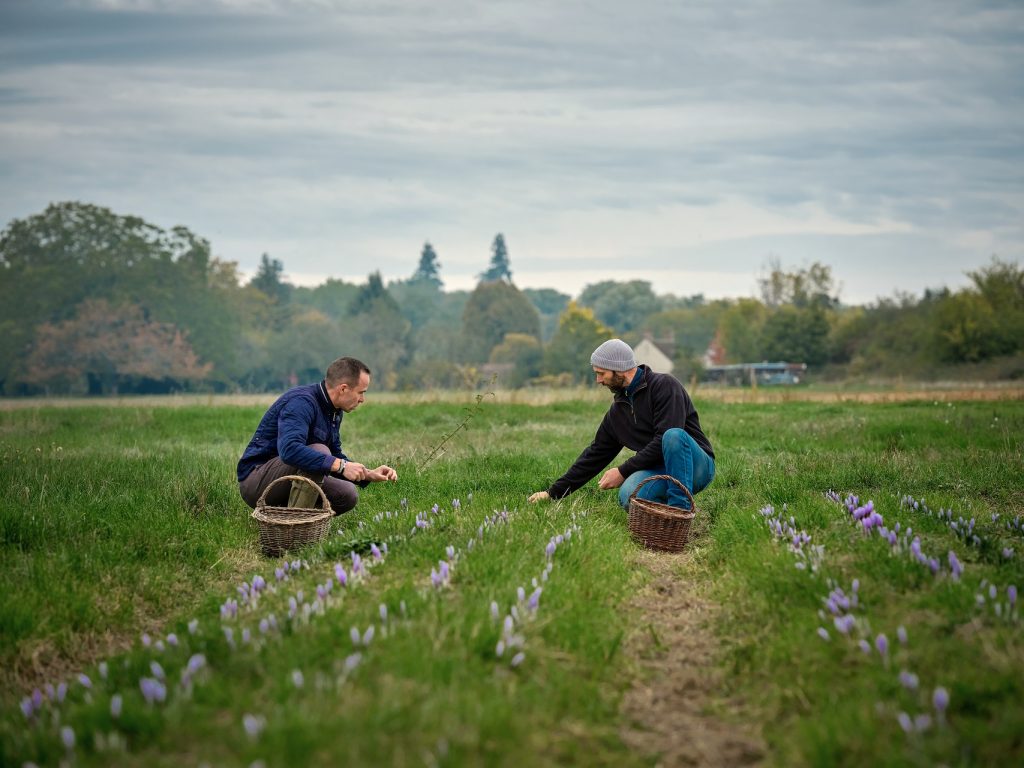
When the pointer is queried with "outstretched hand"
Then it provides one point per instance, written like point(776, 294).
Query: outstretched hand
point(611, 479)
point(381, 474)
point(538, 496)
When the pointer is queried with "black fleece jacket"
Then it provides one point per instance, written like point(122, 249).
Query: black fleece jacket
point(659, 403)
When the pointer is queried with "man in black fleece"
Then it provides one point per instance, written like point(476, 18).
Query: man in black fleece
point(651, 414)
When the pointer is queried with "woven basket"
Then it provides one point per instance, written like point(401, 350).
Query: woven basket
point(284, 528)
point(659, 526)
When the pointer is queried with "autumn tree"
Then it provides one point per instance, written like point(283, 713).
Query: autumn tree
point(579, 333)
point(103, 348)
point(524, 353)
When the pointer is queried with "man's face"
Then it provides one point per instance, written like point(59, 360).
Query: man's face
point(347, 397)
point(610, 379)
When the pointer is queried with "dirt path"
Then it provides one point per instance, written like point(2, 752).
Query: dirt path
point(667, 711)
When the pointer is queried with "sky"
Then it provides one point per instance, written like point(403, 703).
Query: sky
point(687, 143)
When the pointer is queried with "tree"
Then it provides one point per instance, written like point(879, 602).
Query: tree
point(813, 286)
point(740, 327)
point(495, 309)
point(499, 268)
point(622, 306)
point(796, 335)
point(550, 303)
point(579, 334)
point(103, 348)
point(524, 352)
point(269, 279)
point(428, 269)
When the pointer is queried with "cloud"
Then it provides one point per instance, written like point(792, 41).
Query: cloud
point(341, 135)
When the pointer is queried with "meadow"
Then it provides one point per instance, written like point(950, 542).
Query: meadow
point(849, 596)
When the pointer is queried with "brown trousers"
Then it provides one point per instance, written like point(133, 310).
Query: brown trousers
point(342, 494)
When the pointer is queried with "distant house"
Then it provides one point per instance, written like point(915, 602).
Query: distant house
point(650, 354)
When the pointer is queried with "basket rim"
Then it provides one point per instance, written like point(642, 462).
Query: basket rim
point(660, 508)
point(657, 509)
point(290, 515)
point(261, 503)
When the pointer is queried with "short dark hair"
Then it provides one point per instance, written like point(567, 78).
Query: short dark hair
point(345, 370)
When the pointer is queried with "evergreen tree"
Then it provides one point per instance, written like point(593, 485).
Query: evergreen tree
point(499, 268)
point(268, 280)
point(428, 270)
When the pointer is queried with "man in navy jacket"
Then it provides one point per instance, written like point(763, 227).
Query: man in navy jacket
point(652, 414)
point(300, 434)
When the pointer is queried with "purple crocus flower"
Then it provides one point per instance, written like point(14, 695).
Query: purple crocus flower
point(340, 575)
point(905, 722)
point(156, 669)
point(102, 668)
point(375, 551)
point(84, 680)
point(534, 600)
point(354, 635)
point(368, 635)
point(383, 611)
point(940, 699)
point(253, 725)
point(172, 640)
point(901, 634)
point(823, 633)
point(67, 736)
point(499, 649)
point(908, 680)
point(922, 722)
point(518, 659)
point(297, 679)
point(882, 644)
point(193, 626)
point(116, 704)
point(62, 691)
point(264, 626)
point(1011, 594)
point(954, 566)
point(456, 504)
point(26, 707)
point(494, 610)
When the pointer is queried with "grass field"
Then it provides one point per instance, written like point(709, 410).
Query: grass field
point(834, 632)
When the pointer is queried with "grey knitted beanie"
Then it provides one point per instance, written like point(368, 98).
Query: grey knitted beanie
point(613, 355)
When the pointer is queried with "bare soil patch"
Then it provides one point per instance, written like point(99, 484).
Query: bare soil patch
point(672, 711)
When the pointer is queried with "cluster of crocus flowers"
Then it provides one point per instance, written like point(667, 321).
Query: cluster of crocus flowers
point(808, 556)
point(990, 595)
point(899, 541)
point(963, 529)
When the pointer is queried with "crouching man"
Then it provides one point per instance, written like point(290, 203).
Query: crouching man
point(300, 434)
point(652, 414)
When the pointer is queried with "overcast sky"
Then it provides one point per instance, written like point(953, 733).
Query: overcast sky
point(682, 142)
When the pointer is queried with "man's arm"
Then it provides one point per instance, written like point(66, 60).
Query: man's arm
point(293, 426)
point(594, 458)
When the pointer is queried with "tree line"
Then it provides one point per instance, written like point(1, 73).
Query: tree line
point(93, 302)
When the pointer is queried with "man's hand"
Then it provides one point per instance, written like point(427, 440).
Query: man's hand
point(354, 471)
point(381, 474)
point(538, 496)
point(611, 479)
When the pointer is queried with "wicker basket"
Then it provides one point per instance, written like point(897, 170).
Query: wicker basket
point(659, 526)
point(284, 528)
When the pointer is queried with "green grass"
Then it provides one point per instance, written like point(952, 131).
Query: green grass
point(116, 521)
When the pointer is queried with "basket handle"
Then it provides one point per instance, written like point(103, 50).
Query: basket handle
point(262, 502)
point(646, 480)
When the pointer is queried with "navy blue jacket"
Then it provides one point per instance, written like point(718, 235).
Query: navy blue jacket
point(636, 420)
point(298, 418)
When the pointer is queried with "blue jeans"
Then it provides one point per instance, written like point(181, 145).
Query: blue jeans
point(684, 460)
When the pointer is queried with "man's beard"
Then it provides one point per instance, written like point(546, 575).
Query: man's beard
point(618, 382)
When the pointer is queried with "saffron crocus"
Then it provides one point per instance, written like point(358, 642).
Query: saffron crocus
point(253, 725)
point(103, 669)
point(368, 635)
point(172, 640)
point(499, 649)
point(905, 722)
point(823, 633)
point(882, 644)
point(383, 610)
point(908, 680)
point(62, 691)
point(375, 551)
point(1011, 594)
point(26, 707)
point(157, 670)
point(193, 626)
point(954, 566)
point(353, 633)
point(297, 679)
point(84, 681)
point(264, 626)
point(922, 722)
point(940, 700)
point(901, 634)
point(116, 704)
point(340, 575)
point(67, 736)
point(456, 504)
point(494, 610)
point(518, 659)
